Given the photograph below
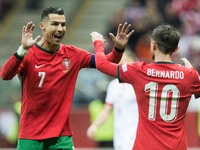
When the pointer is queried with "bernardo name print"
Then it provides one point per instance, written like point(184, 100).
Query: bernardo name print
point(165, 74)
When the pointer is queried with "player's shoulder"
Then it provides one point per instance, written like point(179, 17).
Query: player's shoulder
point(140, 65)
point(189, 72)
point(186, 69)
point(70, 47)
point(64, 46)
point(135, 64)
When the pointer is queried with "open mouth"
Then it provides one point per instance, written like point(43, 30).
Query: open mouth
point(58, 37)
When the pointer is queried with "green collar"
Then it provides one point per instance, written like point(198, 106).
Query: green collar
point(45, 50)
point(163, 62)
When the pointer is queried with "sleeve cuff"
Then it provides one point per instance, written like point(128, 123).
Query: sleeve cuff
point(119, 50)
point(18, 57)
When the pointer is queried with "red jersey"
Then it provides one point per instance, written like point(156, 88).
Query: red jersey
point(163, 92)
point(48, 82)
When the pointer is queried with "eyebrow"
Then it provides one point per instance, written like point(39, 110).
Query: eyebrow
point(58, 21)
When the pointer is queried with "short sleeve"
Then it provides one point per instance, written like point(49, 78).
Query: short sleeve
point(127, 73)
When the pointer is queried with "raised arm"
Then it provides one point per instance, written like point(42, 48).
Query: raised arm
point(102, 63)
point(9, 69)
point(120, 41)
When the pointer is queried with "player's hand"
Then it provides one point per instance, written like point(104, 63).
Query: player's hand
point(97, 36)
point(91, 131)
point(27, 36)
point(123, 35)
point(186, 63)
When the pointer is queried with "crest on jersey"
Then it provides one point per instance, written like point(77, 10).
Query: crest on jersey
point(66, 63)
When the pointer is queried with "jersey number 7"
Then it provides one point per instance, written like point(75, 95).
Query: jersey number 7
point(42, 75)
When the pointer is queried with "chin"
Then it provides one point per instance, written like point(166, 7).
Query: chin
point(57, 43)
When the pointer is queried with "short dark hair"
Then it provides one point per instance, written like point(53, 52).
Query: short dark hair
point(166, 37)
point(51, 10)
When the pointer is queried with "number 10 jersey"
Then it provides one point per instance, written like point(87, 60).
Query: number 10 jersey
point(163, 92)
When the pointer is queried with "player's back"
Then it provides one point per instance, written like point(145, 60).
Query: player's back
point(163, 92)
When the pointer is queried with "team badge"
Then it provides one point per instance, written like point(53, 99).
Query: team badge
point(66, 63)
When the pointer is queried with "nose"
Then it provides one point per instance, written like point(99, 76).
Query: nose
point(60, 28)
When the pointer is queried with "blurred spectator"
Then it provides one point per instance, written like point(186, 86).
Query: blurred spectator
point(144, 15)
point(189, 12)
point(171, 16)
point(134, 10)
point(185, 5)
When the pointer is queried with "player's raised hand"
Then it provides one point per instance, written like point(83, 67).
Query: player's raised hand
point(97, 36)
point(27, 36)
point(123, 35)
point(186, 62)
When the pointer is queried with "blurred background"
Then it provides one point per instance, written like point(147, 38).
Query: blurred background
point(103, 16)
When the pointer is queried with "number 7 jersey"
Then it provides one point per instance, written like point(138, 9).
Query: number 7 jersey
point(163, 92)
point(48, 82)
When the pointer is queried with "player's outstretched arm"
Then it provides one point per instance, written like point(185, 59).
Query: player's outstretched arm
point(102, 63)
point(27, 39)
point(101, 119)
point(9, 69)
point(27, 36)
point(186, 63)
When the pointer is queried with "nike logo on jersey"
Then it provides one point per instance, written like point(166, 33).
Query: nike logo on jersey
point(36, 66)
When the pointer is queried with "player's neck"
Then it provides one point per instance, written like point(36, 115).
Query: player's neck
point(48, 46)
point(163, 57)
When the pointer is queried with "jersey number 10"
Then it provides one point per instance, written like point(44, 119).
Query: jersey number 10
point(152, 87)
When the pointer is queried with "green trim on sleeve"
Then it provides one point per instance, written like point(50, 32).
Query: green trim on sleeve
point(118, 75)
point(18, 57)
point(119, 50)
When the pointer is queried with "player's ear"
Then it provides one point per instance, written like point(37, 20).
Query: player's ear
point(154, 45)
point(42, 26)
